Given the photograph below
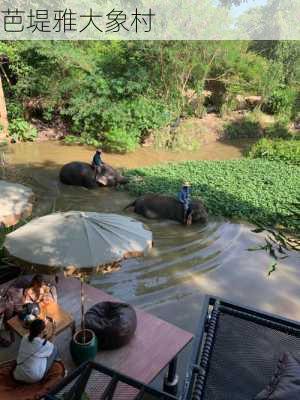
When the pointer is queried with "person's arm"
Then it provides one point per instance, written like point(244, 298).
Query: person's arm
point(181, 196)
point(52, 328)
point(29, 296)
point(97, 159)
point(185, 196)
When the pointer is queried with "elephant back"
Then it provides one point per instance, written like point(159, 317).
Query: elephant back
point(77, 173)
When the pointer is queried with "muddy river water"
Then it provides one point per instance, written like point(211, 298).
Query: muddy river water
point(185, 263)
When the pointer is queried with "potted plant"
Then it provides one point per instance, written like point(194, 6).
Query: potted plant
point(84, 344)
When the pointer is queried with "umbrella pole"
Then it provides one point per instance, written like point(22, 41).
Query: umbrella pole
point(82, 307)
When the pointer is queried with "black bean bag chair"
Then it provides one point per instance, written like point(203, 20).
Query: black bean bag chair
point(114, 324)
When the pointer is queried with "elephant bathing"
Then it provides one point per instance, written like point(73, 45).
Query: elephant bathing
point(167, 207)
point(79, 173)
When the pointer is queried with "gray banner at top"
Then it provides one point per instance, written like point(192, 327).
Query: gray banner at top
point(150, 20)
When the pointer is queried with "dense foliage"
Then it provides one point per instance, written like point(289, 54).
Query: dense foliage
point(253, 190)
point(21, 130)
point(114, 93)
point(277, 150)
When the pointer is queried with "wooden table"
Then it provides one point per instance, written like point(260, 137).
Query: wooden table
point(62, 319)
point(155, 345)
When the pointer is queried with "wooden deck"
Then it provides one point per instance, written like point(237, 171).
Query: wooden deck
point(155, 344)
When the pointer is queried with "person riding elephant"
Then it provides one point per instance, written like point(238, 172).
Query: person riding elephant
point(184, 196)
point(166, 207)
point(82, 174)
point(97, 163)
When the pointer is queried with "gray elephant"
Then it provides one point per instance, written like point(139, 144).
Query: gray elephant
point(82, 174)
point(166, 207)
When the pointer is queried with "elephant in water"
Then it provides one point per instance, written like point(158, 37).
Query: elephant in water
point(166, 207)
point(82, 174)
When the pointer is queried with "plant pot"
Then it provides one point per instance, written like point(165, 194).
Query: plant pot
point(83, 346)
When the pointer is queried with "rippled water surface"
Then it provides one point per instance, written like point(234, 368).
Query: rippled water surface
point(186, 262)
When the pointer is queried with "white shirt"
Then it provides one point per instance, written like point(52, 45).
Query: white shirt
point(32, 359)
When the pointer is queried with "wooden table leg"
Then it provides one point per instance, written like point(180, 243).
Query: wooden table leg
point(171, 379)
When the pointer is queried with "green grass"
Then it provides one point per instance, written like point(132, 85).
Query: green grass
point(251, 190)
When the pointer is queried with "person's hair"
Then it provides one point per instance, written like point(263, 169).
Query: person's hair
point(37, 280)
point(36, 328)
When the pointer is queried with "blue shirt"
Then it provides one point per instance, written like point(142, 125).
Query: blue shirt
point(97, 160)
point(184, 196)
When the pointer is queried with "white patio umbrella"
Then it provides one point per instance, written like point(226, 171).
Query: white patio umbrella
point(78, 240)
point(16, 202)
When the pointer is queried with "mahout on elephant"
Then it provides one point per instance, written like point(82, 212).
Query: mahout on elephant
point(79, 173)
point(157, 206)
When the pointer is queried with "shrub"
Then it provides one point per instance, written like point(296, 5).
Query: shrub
point(48, 114)
point(21, 131)
point(247, 127)
point(277, 150)
point(83, 139)
point(118, 141)
point(14, 110)
point(280, 101)
point(175, 140)
point(119, 125)
point(278, 129)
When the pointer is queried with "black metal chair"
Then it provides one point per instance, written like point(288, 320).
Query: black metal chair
point(93, 381)
point(236, 351)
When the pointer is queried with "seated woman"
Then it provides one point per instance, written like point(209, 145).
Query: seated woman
point(39, 292)
point(36, 354)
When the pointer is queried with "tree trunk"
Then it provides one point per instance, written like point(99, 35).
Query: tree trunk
point(3, 114)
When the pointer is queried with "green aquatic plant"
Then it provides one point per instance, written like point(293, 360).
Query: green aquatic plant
point(277, 150)
point(249, 190)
